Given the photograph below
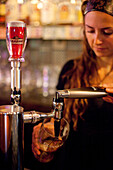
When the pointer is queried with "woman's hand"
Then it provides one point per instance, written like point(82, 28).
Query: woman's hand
point(35, 146)
point(109, 89)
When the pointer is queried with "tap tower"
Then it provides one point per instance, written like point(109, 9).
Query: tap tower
point(16, 38)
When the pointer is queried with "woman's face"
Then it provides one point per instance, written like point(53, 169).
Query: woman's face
point(99, 33)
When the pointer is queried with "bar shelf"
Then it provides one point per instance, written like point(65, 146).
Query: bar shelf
point(51, 32)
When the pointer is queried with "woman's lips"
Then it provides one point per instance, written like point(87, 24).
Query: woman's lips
point(99, 48)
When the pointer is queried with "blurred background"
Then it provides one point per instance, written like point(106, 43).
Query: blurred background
point(54, 31)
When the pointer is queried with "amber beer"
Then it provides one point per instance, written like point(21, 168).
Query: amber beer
point(16, 38)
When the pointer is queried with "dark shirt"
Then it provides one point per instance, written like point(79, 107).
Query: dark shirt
point(91, 146)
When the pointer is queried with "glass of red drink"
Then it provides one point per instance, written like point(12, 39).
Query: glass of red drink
point(16, 38)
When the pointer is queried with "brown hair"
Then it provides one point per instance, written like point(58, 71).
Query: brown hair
point(79, 76)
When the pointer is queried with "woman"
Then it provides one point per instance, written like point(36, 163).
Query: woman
point(90, 143)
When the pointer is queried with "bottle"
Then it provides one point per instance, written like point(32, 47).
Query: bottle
point(24, 14)
point(35, 17)
point(48, 13)
point(78, 13)
point(2, 12)
point(66, 13)
point(12, 11)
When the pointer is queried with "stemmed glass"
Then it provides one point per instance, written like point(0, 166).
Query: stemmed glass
point(47, 142)
point(16, 38)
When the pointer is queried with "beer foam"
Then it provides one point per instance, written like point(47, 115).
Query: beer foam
point(16, 24)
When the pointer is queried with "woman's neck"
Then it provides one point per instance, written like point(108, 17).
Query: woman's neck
point(104, 68)
point(105, 62)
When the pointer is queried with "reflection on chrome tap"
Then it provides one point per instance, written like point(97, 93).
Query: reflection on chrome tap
point(45, 81)
point(77, 93)
point(11, 137)
point(33, 116)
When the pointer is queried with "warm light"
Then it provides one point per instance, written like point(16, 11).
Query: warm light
point(40, 5)
point(72, 1)
point(20, 1)
point(34, 1)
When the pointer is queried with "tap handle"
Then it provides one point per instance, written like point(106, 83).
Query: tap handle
point(86, 92)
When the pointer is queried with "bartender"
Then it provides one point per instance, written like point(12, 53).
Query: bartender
point(90, 142)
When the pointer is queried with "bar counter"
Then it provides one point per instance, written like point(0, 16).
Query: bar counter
point(30, 101)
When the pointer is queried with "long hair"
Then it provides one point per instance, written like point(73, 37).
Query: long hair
point(79, 76)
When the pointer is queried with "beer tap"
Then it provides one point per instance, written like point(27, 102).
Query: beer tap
point(76, 93)
point(15, 82)
point(58, 104)
point(16, 41)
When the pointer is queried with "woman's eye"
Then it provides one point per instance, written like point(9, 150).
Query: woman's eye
point(107, 33)
point(90, 31)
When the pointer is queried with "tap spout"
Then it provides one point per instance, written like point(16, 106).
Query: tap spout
point(33, 116)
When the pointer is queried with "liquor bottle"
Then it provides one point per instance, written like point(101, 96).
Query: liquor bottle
point(24, 14)
point(66, 13)
point(12, 11)
point(48, 13)
point(35, 17)
point(2, 12)
point(78, 13)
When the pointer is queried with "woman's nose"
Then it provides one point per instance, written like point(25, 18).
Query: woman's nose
point(98, 38)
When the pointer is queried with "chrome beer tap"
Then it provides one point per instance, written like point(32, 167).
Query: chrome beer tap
point(15, 81)
point(83, 92)
point(11, 116)
point(58, 102)
point(16, 38)
point(76, 93)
